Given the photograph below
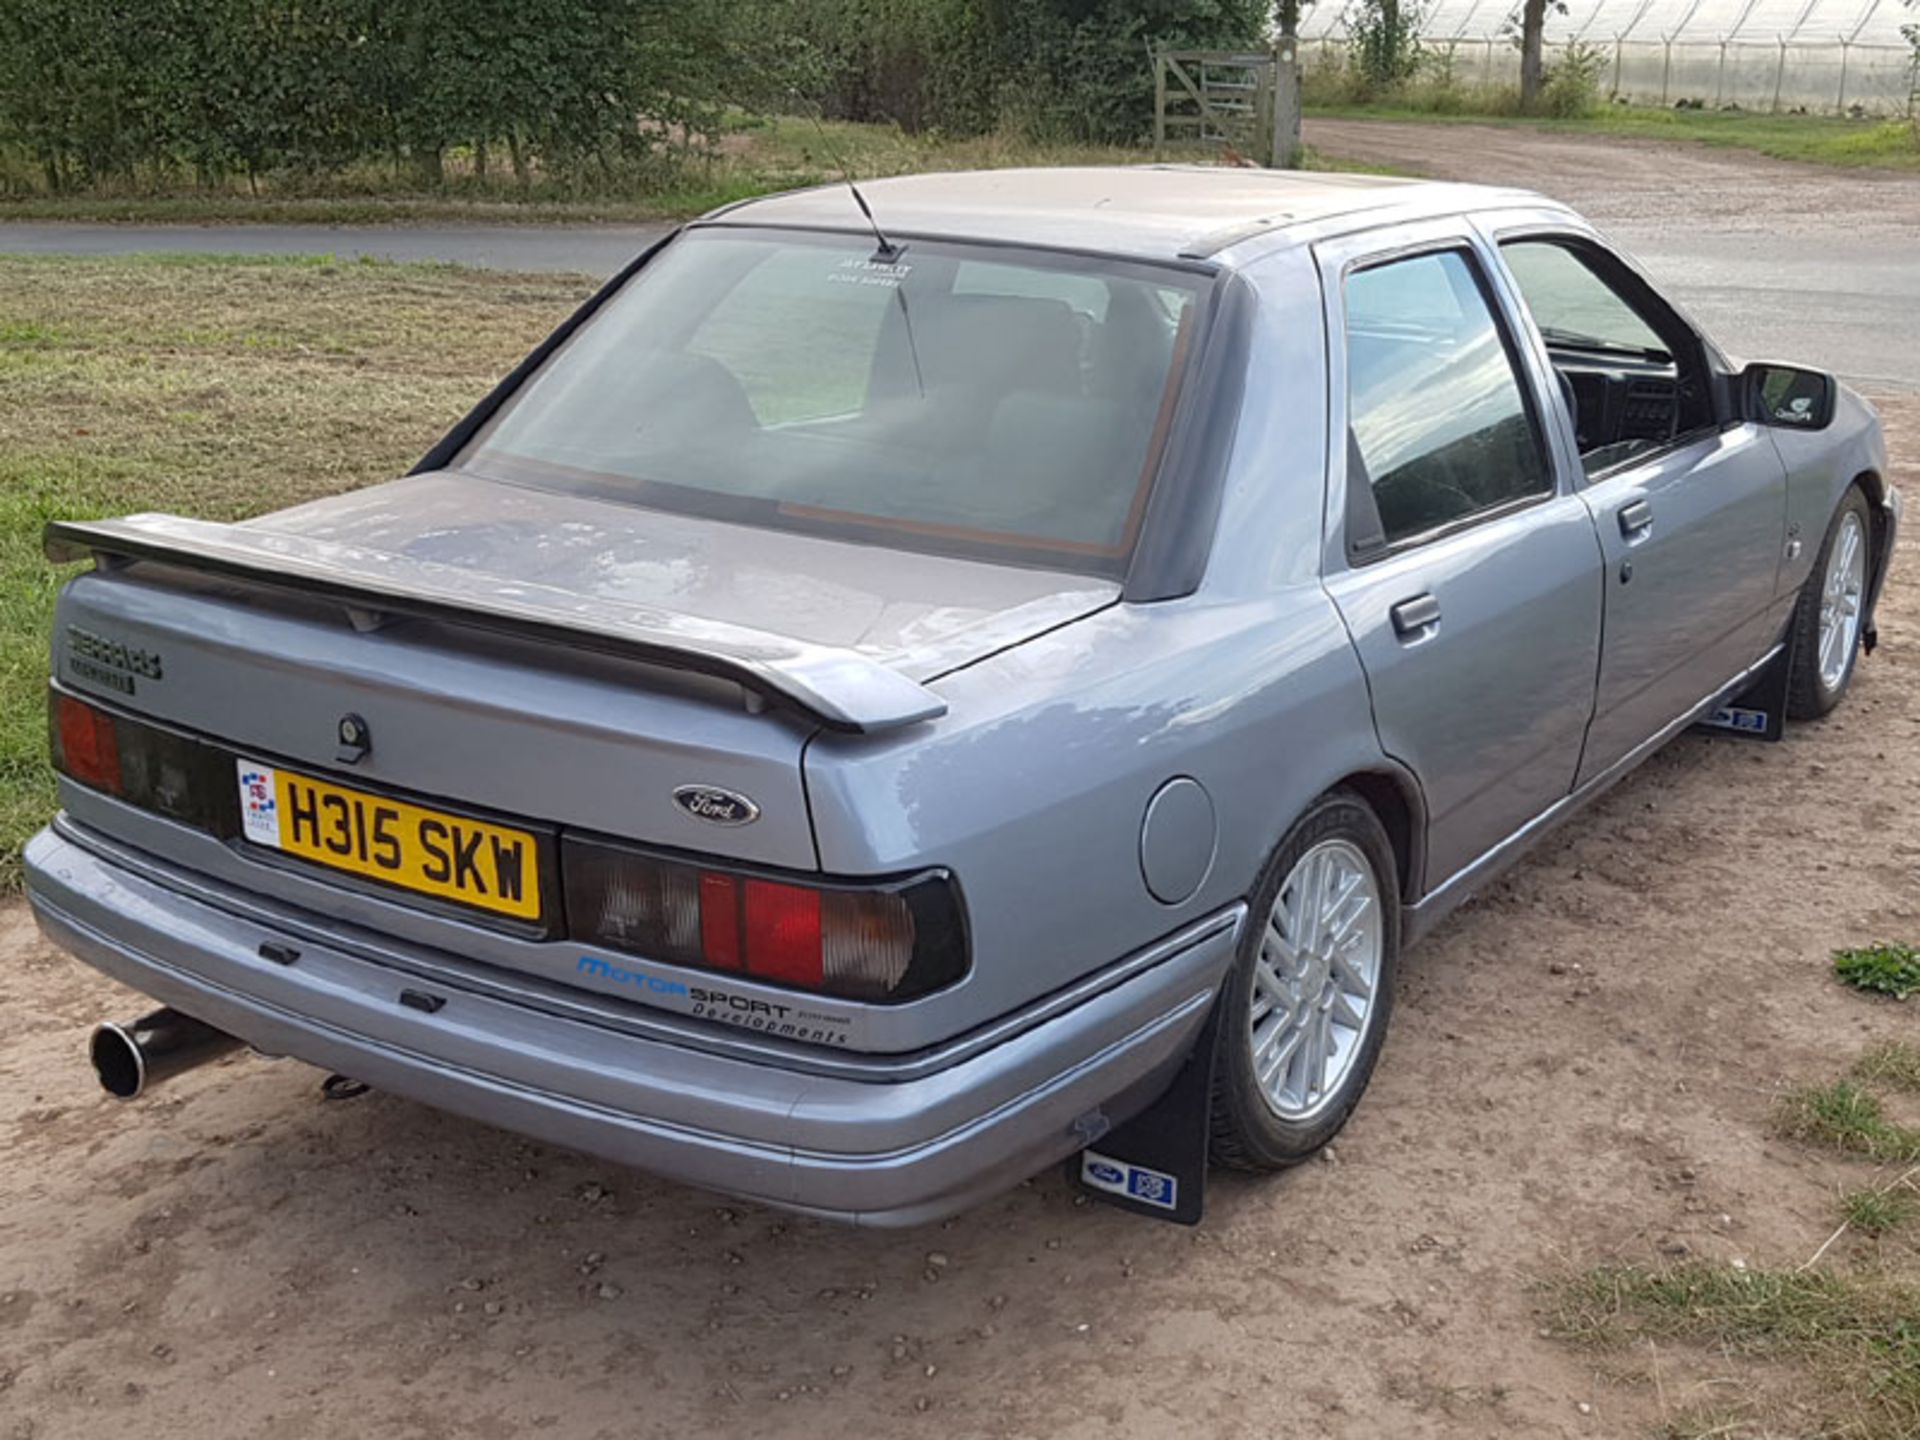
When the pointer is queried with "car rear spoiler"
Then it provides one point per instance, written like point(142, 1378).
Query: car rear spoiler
point(838, 688)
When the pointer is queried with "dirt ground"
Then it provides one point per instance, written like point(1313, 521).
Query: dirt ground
point(1582, 1067)
point(1642, 182)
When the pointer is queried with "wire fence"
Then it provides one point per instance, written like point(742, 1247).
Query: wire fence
point(1838, 77)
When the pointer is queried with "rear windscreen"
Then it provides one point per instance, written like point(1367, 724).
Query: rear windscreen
point(1001, 403)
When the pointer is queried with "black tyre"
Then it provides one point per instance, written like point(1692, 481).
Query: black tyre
point(1826, 619)
point(1307, 1002)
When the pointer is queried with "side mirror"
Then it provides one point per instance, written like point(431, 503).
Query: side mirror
point(1789, 397)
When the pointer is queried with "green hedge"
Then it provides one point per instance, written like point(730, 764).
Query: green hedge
point(1058, 69)
point(146, 94)
point(107, 91)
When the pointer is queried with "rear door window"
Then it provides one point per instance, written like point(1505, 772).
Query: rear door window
point(1438, 415)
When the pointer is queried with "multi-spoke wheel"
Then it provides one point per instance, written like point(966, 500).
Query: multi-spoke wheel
point(1826, 622)
point(1306, 1005)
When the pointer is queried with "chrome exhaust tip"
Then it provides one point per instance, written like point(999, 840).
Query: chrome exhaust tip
point(131, 1058)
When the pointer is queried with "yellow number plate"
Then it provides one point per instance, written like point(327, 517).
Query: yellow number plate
point(447, 856)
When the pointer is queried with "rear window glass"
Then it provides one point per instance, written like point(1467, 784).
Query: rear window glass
point(1005, 405)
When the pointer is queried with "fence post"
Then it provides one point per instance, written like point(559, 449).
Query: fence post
point(1618, 44)
point(1666, 68)
point(1286, 105)
point(1779, 74)
point(1159, 104)
point(1720, 75)
point(1846, 46)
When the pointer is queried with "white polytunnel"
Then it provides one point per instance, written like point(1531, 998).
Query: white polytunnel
point(1820, 56)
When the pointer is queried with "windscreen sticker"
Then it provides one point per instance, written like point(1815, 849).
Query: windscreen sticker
point(855, 271)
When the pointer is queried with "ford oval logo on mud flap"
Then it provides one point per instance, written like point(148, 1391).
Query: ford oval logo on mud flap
point(720, 807)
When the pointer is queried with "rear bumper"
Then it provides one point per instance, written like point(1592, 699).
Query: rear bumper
point(874, 1151)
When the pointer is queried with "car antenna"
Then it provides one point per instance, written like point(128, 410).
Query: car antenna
point(887, 251)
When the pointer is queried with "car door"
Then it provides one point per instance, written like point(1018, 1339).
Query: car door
point(1458, 555)
point(1689, 503)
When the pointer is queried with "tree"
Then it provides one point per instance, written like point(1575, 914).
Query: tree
point(1912, 33)
point(1533, 68)
point(1384, 36)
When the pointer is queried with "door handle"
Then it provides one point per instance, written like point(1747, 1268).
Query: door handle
point(1416, 618)
point(1636, 520)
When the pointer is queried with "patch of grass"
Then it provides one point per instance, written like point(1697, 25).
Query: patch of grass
point(217, 388)
point(1855, 1336)
point(1815, 139)
point(1879, 1212)
point(1884, 969)
point(1844, 1117)
point(1894, 1063)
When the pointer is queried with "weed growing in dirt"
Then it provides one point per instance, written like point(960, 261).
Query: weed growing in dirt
point(1886, 969)
point(1844, 1117)
point(1895, 1063)
point(1880, 1212)
point(1857, 1335)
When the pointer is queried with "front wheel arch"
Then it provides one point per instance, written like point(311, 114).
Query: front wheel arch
point(1810, 694)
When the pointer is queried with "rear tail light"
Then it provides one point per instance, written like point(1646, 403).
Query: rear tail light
point(150, 767)
point(890, 941)
point(85, 746)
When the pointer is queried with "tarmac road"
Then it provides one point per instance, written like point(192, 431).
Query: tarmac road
point(586, 249)
point(1777, 260)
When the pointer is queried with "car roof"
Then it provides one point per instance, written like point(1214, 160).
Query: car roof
point(1151, 212)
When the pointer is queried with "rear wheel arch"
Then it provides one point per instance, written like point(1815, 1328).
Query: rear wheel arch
point(1395, 799)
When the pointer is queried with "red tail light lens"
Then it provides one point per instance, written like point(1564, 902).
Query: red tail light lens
point(783, 933)
point(719, 920)
point(889, 941)
point(85, 747)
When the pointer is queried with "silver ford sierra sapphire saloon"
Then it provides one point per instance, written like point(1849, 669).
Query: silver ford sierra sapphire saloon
point(869, 708)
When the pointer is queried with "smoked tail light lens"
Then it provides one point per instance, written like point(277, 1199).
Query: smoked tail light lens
point(890, 941)
point(169, 774)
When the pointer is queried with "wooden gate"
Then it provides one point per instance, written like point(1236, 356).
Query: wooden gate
point(1245, 104)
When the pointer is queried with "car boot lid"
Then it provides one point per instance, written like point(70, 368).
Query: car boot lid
point(847, 634)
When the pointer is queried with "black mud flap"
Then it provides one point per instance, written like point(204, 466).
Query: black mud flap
point(1156, 1163)
point(1758, 712)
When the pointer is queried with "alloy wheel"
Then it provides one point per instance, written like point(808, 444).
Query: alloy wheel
point(1315, 980)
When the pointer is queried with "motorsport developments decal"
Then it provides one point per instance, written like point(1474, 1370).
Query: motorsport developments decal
point(110, 663)
point(748, 1012)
